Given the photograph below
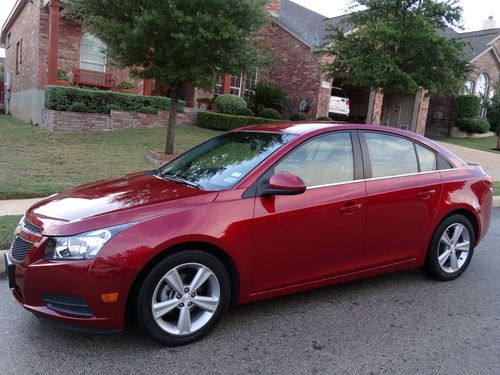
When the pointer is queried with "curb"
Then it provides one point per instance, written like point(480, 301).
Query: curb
point(2, 263)
point(496, 201)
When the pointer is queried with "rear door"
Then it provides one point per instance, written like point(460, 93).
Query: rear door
point(403, 191)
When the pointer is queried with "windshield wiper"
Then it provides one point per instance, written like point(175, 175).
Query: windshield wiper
point(180, 180)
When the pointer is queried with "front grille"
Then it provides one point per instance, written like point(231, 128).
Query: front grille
point(20, 248)
point(31, 227)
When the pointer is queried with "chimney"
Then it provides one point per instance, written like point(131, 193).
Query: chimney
point(273, 7)
point(490, 23)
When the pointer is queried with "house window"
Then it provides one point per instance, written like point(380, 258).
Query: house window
point(469, 87)
point(218, 85)
point(92, 53)
point(236, 82)
point(251, 83)
point(19, 55)
point(483, 91)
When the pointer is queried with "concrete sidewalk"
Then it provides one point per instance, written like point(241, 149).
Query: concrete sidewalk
point(16, 206)
point(490, 161)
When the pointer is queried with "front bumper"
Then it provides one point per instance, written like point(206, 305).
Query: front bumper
point(69, 294)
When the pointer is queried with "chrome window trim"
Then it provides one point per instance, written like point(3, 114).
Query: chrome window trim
point(378, 178)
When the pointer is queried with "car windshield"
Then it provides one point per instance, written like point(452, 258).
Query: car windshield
point(339, 92)
point(223, 161)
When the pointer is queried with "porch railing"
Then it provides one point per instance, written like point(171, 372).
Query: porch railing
point(84, 77)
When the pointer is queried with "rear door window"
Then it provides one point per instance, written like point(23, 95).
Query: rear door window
point(390, 155)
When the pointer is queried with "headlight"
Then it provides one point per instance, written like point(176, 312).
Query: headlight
point(81, 246)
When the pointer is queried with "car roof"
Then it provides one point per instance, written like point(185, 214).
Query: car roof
point(305, 129)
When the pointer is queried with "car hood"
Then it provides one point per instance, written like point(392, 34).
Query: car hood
point(132, 198)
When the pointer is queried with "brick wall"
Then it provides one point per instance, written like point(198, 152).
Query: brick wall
point(26, 29)
point(296, 69)
point(59, 121)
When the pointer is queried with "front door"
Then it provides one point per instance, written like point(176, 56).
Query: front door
point(319, 233)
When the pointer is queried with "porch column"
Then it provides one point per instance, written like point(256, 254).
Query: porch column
point(375, 104)
point(53, 40)
point(226, 84)
point(147, 88)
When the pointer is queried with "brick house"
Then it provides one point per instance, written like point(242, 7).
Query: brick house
point(38, 41)
point(483, 51)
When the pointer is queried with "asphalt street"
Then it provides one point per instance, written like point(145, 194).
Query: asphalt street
point(402, 323)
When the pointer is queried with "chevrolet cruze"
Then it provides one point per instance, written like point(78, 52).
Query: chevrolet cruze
point(254, 213)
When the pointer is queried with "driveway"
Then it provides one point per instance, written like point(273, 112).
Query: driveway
point(490, 161)
point(401, 323)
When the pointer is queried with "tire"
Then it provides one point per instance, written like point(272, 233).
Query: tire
point(183, 316)
point(451, 248)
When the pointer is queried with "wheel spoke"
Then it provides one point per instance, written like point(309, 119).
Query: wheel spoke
point(199, 279)
point(457, 232)
point(206, 303)
point(453, 262)
point(161, 308)
point(444, 257)
point(463, 246)
point(174, 280)
point(446, 239)
point(184, 322)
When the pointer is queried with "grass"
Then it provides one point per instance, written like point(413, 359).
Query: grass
point(485, 144)
point(496, 187)
point(35, 162)
point(7, 227)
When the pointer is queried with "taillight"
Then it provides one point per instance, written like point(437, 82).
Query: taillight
point(347, 101)
point(489, 181)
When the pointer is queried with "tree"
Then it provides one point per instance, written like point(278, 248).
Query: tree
point(176, 42)
point(494, 116)
point(398, 45)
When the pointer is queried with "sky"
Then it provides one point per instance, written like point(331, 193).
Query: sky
point(475, 11)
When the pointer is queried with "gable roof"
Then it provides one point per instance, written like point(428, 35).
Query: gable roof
point(478, 42)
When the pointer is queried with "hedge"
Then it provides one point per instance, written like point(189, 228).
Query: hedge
point(61, 98)
point(467, 106)
point(270, 113)
point(230, 104)
point(475, 125)
point(219, 121)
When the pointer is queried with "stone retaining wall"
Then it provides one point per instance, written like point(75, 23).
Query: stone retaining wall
point(61, 121)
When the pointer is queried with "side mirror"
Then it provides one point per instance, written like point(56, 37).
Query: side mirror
point(284, 183)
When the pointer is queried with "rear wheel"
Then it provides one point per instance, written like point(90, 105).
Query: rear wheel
point(451, 248)
point(183, 297)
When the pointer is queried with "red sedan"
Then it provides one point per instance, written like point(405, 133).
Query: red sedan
point(251, 214)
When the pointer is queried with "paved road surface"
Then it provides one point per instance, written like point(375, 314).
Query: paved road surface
point(394, 324)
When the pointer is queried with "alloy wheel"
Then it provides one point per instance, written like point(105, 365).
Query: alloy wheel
point(454, 247)
point(185, 299)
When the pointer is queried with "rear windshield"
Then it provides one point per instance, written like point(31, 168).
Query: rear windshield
point(225, 160)
point(339, 93)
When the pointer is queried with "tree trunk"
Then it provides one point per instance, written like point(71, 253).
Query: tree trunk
point(174, 101)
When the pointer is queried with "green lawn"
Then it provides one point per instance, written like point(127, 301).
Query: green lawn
point(496, 187)
point(486, 144)
point(7, 227)
point(35, 162)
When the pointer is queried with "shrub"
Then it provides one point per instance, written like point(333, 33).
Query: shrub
point(267, 96)
point(219, 121)
point(270, 113)
point(60, 98)
point(245, 112)
point(324, 118)
point(229, 104)
point(61, 74)
point(298, 116)
point(467, 106)
point(494, 114)
point(150, 110)
point(126, 85)
point(78, 107)
point(112, 107)
point(475, 125)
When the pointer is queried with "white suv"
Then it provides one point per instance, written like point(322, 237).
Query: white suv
point(339, 103)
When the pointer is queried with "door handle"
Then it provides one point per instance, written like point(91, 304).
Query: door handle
point(426, 194)
point(350, 208)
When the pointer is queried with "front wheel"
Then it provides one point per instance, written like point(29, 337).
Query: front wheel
point(183, 297)
point(451, 248)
